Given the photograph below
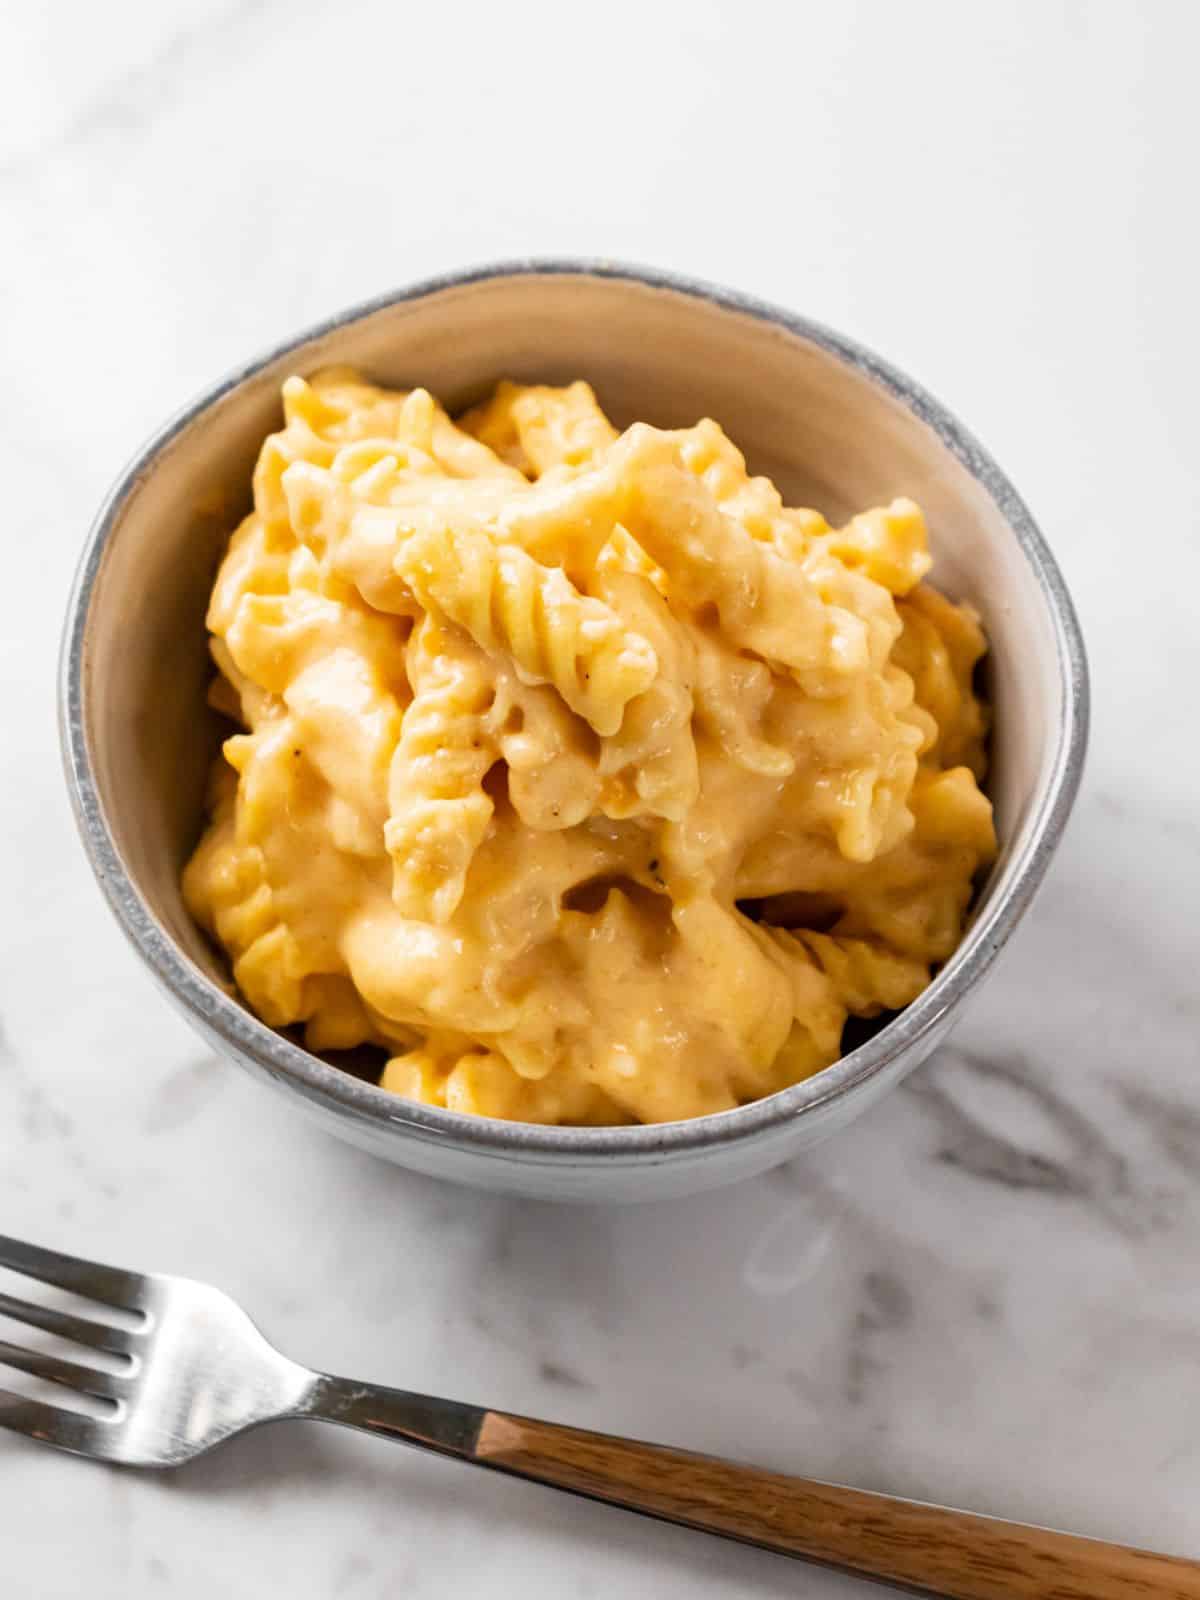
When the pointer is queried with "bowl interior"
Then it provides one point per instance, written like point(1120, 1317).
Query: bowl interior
point(808, 413)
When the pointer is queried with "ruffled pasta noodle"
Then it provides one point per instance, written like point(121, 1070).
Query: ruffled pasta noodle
point(574, 771)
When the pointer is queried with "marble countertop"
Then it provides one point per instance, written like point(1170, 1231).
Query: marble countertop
point(986, 1292)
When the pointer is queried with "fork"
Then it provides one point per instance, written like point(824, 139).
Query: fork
point(182, 1368)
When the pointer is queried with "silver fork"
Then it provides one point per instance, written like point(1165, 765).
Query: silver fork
point(192, 1370)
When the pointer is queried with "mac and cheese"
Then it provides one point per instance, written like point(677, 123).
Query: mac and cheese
point(576, 771)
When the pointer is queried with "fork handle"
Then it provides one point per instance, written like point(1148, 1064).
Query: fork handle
point(930, 1549)
point(953, 1554)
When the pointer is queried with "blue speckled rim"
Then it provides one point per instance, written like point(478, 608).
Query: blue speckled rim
point(277, 1058)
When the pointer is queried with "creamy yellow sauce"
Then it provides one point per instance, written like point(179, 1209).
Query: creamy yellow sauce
point(575, 770)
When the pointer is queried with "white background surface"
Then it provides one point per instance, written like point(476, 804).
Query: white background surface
point(987, 1291)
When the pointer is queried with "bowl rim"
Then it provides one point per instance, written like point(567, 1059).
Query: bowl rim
point(278, 1058)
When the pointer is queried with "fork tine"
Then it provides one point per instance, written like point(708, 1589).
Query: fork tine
point(88, 1380)
point(96, 1335)
point(125, 1290)
point(69, 1430)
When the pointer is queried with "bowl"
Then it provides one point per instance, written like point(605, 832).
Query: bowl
point(834, 425)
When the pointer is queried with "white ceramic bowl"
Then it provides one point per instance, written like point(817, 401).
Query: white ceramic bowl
point(836, 427)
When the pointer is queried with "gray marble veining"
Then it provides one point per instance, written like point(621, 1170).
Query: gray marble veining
point(986, 1291)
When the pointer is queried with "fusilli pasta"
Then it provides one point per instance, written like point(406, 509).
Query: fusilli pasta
point(575, 772)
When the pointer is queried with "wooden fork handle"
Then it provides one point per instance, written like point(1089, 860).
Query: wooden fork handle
point(927, 1548)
